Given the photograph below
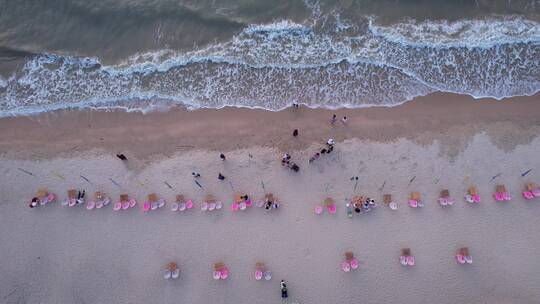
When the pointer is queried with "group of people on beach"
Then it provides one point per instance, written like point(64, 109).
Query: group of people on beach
point(286, 162)
point(329, 148)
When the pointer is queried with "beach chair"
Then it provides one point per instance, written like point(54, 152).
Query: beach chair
point(463, 256)
point(501, 194)
point(124, 203)
point(100, 200)
point(406, 258)
point(211, 204)
point(71, 199)
point(330, 205)
point(350, 262)
point(531, 191)
point(153, 203)
point(42, 198)
point(171, 271)
point(221, 272)
point(445, 199)
point(262, 272)
point(472, 195)
point(181, 204)
point(415, 200)
point(387, 199)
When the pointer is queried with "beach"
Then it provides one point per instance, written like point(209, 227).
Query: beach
point(401, 137)
point(57, 254)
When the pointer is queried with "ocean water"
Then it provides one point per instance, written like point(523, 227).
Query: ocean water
point(148, 54)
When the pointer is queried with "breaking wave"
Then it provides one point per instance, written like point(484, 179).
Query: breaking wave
point(325, 62)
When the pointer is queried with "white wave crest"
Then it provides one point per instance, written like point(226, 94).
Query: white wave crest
point(462, 33)
point(270, 66)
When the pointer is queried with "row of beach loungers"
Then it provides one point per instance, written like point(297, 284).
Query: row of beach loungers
point(348, 264)
point(357, 204)
point(78, 197)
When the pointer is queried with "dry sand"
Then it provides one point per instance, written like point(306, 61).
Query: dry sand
point(72, 255)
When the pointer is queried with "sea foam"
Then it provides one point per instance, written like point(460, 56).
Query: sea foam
point(326, 62)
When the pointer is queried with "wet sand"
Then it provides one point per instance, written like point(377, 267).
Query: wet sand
point(449, 118)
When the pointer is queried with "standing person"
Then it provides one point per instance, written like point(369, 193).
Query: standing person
point(344, 119)
point(333, 119)
point(295, 133)
point(331, 142)
point(283, 287)
point(222, 156)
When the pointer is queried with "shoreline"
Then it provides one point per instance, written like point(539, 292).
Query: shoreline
point(449, 118)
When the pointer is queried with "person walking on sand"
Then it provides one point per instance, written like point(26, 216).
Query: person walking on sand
point(295, 133)
point(333, 121)
point(283, 287)
point(344, 120)
point(222, 156)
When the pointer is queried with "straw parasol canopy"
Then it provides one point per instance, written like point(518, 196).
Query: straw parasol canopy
point(445, 193)
point(98, 195)
point(219, 266)
point(42, 192)
point(500, 188)
point(72, 193)
point(180, 198)
point(152, 197)
point(124, 197)
point(329, 201)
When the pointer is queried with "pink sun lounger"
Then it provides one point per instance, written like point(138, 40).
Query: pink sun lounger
point(501, 194)
point(445, 199)
point(350, 263)
point(262, 272)
point(463, 256)
point(415, 200)
point(472, 195)
point(124, 203)
point(531, 191)
point(181, 204)
point(406, 258)
point(100, 200)
point(221, 272)
point(171, 271)
point(43, 197)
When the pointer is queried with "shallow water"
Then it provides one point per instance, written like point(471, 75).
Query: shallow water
point(62, 54)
